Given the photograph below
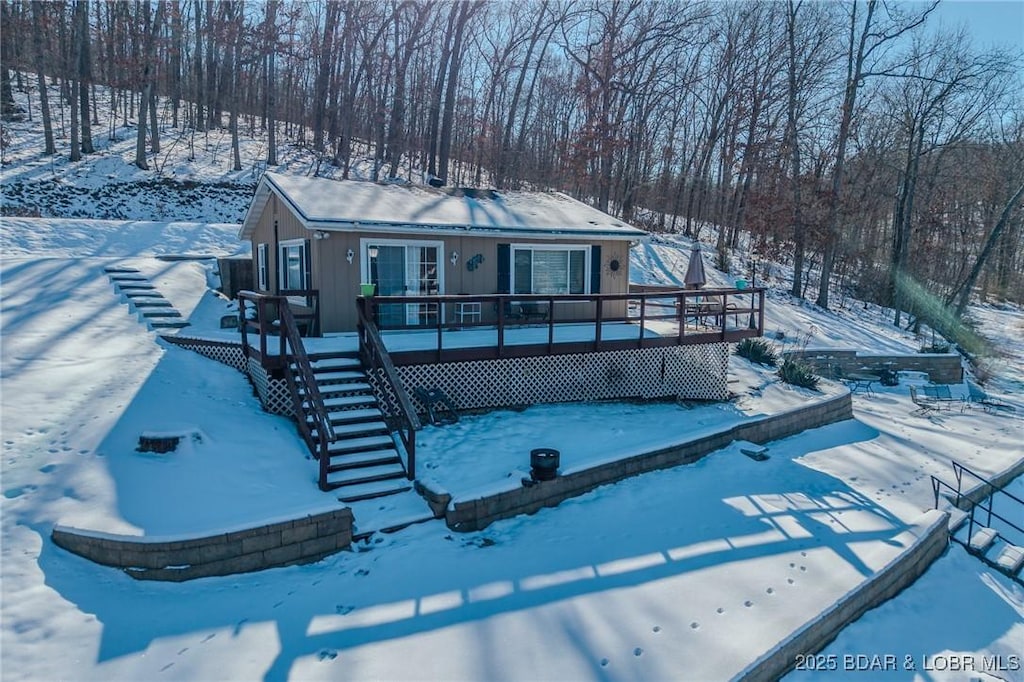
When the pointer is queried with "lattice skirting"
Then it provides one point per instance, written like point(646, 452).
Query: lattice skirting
point(273, 393)
point(224, 352)
point(684, 372)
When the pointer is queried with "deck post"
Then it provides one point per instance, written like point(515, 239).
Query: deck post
point(597, 329)
point(551, 324)
point(643, 320)
point(501, 326)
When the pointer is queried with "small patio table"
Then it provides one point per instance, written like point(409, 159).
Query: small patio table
point(862, 380)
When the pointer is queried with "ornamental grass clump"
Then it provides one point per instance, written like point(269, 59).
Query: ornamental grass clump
point(798, 373)
point(759, 351)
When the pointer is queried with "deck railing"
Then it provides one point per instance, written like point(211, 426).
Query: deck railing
point(272, 315)
point(699, 316)
point(400, 413)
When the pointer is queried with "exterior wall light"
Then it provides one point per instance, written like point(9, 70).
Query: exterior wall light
point(455, 257)
point(350, 255)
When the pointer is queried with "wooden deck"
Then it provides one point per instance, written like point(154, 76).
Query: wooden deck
point(509, 326)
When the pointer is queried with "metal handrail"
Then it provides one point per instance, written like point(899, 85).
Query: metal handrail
point(375, 357)
point(986, 504)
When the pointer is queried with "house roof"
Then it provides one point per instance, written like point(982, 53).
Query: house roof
point(355, 206)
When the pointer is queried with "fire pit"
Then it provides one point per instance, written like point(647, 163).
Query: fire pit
point(544, 464)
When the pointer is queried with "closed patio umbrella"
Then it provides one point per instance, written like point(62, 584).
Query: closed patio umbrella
point(695, 278)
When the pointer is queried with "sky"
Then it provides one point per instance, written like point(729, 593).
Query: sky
point(990, 22)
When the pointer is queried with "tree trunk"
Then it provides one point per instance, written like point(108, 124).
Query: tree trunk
point(270, 33)
point(84, 73)
point(40, 58)
point(963, 294)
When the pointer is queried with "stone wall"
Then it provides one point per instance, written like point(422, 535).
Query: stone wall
point(470, 515)
point(283, 543)
point(900, 573)
point(941, 368)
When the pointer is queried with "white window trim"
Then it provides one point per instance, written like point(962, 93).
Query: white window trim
point(282, 268)
point(262, 266)
point(586, 248)
point(364, 257)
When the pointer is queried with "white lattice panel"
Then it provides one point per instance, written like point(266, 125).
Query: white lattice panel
point(273, 393)
point(228, 354)
point(685, 372)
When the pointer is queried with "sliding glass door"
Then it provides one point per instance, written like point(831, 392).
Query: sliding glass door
point(404, 269)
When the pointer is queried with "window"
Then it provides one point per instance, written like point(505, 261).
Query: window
point(261, 267)
point(549, 270)
point(293, 264)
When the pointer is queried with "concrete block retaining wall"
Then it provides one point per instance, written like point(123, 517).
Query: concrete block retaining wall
point(899, 574)
point(283, 543)
point(475, 514)
point(942, 368)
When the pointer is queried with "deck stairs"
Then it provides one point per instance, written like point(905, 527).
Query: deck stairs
point(986, 523)
point(365, 462)
point(143, 298)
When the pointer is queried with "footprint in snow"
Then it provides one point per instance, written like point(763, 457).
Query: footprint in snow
point(604, 662)
point(209, 637)
point(770, 590)
point(748, 603)
point(343, 609)
point(638, 651)
point(166, 667)
point(719, 610)
point(695, 625)
point(327, 655)
point(656, 628)
point(48, 469)
point(790, 581)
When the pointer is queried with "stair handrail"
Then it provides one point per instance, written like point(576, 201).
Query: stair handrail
point(374, 356)
point(290, 345)
point(986, 504)
point(301, 360)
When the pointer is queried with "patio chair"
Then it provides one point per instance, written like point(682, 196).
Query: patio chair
point(977, 396)
point(925, 404)
point(526, 310)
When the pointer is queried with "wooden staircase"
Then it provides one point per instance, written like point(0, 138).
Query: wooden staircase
point(363, 457)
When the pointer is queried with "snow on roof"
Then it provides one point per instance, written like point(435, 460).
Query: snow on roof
point(350, 205)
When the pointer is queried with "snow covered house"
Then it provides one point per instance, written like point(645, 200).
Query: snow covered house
point(482, 298)
point(333, 236)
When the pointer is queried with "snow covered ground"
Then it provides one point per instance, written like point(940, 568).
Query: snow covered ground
point(689, 573)
point(683, 574)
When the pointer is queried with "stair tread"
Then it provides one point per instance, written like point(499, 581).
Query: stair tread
point(365, 474)
point(127, 286)
point(327, 364)
point(114, 269)
point(982, 538)
point(357, 427)
point(169, 325)
point(128, 277)
point(350, 387)
point(352, 416)
point(143, 293)
point(365, 491)
point(160, 313)
point(343, 400)
point(152, 302)
point(364, 459)
point(356, 444)
point(322, 377)
point(1011, 558)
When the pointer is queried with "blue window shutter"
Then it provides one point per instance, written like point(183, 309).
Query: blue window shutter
point(595, 269)
point(504, 268)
